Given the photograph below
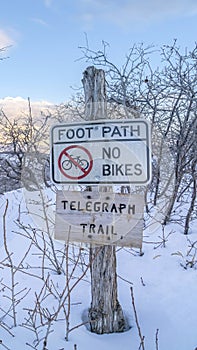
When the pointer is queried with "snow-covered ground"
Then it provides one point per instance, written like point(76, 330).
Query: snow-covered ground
point(164, 281)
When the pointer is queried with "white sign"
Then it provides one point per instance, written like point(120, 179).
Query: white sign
point(102, 218)
point(101, 152)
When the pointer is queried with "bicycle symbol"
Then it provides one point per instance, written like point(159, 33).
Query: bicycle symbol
point(77, 165)
point(75, 162)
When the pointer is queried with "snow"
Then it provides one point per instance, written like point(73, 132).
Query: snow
point(164, 281)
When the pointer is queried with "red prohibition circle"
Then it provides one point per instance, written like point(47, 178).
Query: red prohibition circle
point(85, 171)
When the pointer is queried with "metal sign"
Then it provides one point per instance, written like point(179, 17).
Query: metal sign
point(101, 218)
point(101, 152)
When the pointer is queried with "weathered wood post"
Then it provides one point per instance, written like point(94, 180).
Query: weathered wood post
point(105, 313)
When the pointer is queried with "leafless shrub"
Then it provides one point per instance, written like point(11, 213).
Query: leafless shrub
point(189, 259)
point(141, 336)
point(167, 97)
point(12, 291)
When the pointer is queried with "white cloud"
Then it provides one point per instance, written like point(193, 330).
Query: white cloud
point(5, 39)
point(18, 106)
point(157, 9)
point(39, 21)
point(48, 3)
point(128, 11)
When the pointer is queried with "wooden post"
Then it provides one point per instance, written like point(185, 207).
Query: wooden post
point(105, 313)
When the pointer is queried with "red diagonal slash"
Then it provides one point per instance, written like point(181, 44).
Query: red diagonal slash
point(74, 162)
point(65, 153)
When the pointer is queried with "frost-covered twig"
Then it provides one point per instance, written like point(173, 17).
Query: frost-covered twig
point(142, 346)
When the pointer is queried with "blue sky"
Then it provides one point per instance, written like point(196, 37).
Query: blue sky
point(45, 36)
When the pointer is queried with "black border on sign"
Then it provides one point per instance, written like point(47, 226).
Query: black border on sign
point(103, 122)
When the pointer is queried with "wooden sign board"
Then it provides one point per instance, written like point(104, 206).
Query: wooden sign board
point(100, 218)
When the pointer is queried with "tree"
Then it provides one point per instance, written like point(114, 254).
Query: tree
point(167, 97)
point(23, 138)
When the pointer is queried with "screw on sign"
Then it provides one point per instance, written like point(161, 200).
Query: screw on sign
point(75, 162)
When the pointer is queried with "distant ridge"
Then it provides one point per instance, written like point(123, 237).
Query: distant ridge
point(18, 106)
